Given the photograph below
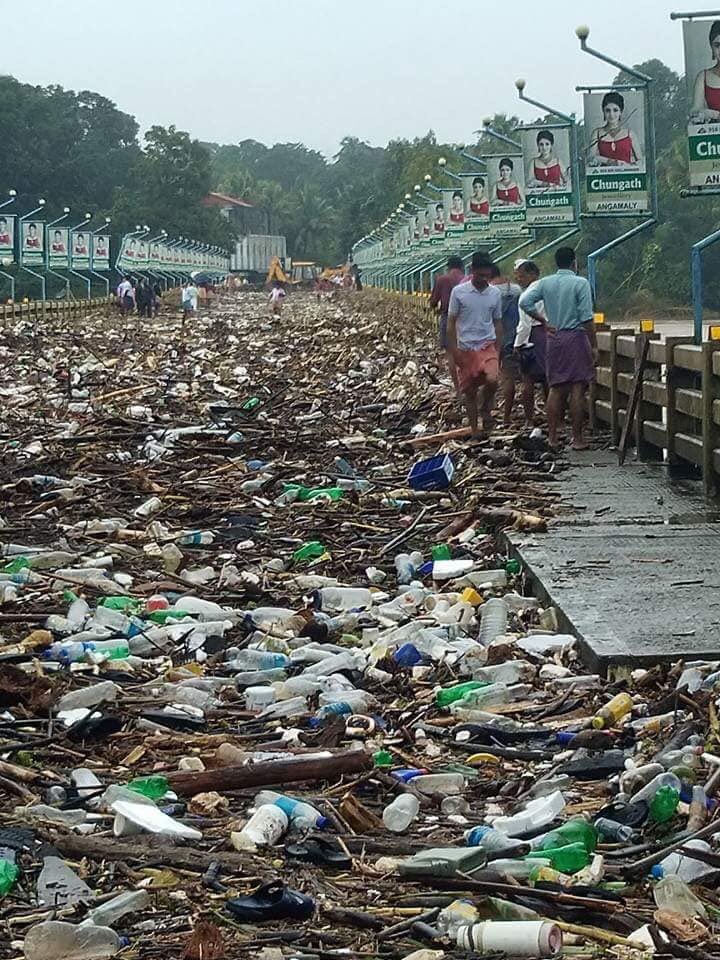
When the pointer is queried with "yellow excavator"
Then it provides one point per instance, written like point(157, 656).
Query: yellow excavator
point(302, 271)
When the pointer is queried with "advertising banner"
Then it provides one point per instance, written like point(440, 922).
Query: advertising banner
point(32, 242)
point(58, 247)
point(7, 237)
point(506, 193)
point(141, 255)
point(127, 255)
point(616, 179)
point(477, 204)
point(454, 206)
point(548, 176)
point(100, 251)
point(702, 72)
point(436, 220)
point(80, 259)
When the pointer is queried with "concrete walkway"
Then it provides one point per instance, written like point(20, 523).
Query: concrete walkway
point(633, 566)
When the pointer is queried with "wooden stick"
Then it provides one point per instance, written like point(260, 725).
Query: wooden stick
point(297, 770)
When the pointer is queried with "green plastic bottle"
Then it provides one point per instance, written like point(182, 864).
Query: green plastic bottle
point(16, 565)
point(154, 788)
point(576, 830)
point(448, 695)
point(9, 873)
point(664, 804)
point(309, 551)
point(162, 616)
point(313, 493)
point(441, 552)
point(383, 759)
point(512, 567)
point(251, 403)
point(567, 859)
point(120, 603)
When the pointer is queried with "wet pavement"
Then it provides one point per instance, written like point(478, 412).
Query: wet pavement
point(631, 563)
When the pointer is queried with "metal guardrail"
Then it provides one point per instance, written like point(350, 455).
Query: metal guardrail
point(46, 309)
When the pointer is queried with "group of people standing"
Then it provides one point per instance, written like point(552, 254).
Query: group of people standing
point(526, 331)
point(139, 294)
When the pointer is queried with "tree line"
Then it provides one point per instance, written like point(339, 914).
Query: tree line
point(79, 149)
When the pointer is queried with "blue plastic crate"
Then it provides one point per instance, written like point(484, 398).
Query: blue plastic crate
point(433, 474)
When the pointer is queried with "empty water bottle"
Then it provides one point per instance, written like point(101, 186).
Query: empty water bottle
point(56, 940)
point(493, 620)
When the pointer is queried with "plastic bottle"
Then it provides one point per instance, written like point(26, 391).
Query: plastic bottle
point(575, 830)
point(487, 696)
point(264, 828)
point(404, 567)
point(398, 815)
point(153, 787)
point(664, 804)
point(537, 813)
point(512, 671)
point(445, 784)
point(100, 650)
point(613, 711)
point(38, 812)
point(258, 660)
point(66, 652)
point(494, 842)
point(107, 914)
point(56, 940)
point(344, 598)
point(515, 938)
point(616, 832)
point(672, 893)
point(196, 538)
point(349, 660)
point(106, 691)
point(520, 869)
point(493, 620)
point(650, 789)
point(633, 778)
point(698, 809)
point(309, 551)
point(9, 873)
point(87, 786)
point(685, 867)
point(301, 815)
point(447, 695)
point(568, 859)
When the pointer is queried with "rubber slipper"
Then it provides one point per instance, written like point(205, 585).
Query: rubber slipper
point(320, 851)
point(272, 901)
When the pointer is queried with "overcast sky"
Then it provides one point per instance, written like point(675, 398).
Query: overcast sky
point(317, 70)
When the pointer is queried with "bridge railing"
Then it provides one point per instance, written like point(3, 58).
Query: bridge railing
point(677, 419)
point(47, 309)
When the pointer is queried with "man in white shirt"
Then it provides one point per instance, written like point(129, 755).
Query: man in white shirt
point(126, 296)
point(474, 325)
point(529, 343)
point(189, 298)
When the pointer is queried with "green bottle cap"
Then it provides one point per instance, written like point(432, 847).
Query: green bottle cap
point(513, 567)
point(383, 758)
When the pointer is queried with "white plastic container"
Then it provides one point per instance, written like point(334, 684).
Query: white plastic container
point(345, 598)
point(264, 828)
point(493, 620)
point(398, 815)
point(132, 818)
point(537, 813)
point(516, 938)
point(257, 698)
point(56, 940)
point(445, 784)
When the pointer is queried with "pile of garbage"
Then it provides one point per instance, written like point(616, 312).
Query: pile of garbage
point(271, 680)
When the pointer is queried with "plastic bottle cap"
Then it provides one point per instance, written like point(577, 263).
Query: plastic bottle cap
point(657, 872)
point(322, 822)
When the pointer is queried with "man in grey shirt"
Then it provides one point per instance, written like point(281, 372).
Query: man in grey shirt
point(474, 326)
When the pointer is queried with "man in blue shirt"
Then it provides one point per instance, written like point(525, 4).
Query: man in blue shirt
point(474, 325)
point(571, 343)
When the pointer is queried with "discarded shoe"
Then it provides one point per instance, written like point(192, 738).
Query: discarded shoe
point(272, 901)
point(320, 851)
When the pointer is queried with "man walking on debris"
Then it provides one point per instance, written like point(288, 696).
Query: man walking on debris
point(571, 342)
point(530, 343)
point(126, 296)
point(440, 299)
point(474, 326)
point(509, 364)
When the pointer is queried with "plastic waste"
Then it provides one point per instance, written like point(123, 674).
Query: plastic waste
point(301, 815)
point(683, 866)
point(537, 813)
point(398, 815)
point(132, 818)
point(613, 711)
point(263, 829)
point(59, 886)
point(493, 620)
point(524, 938)
point(57, 940)
point(107, 914)
point(672, 893)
